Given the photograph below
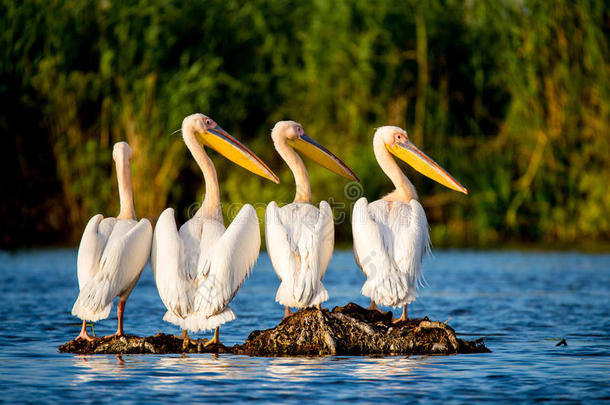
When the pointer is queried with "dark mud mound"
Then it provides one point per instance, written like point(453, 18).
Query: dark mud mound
point(348, 330)
point(353, 330)
point(129, 344)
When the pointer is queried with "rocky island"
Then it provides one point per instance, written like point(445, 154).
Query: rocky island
point(349, 330)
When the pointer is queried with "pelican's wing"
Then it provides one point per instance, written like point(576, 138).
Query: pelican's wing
point(190, 234)
point(411, 241)
point(299, 242)
point(325, 229)
point(389, 243)
point(281, 253)
point(235, 254)
point(120, 266)
point(370, 252)
point(91, 247)
point(169, 266)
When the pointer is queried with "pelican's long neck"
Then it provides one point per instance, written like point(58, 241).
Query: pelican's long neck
point(405, 191)
point(123, 172)
point(296, 165)
point(211, 202)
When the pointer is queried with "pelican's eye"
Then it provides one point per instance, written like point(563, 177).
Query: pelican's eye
point(209, 123)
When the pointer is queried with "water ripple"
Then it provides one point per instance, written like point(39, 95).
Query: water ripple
point(523, 303)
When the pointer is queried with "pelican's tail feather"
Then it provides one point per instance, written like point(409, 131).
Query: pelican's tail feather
point(173, 318)
point(92, 303)
point(310, 293)
point(389, 290)
point(321, 295)
point(284, 295)
point(196, 323)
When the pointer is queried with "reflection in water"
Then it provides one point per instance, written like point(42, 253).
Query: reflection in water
point(388, 367)
point(305, 368)
point(170, 370)
point(296, 368)
point(205, 367)
point(93, 367)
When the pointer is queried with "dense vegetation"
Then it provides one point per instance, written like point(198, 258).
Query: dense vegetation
point(511, 96)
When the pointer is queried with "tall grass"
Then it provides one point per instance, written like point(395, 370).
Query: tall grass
point(512, 97)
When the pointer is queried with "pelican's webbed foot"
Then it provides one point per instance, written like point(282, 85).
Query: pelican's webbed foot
point(215, 340)
point(374, 307)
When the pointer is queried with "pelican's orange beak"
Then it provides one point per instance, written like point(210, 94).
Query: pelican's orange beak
point(417, 159)
point(322, 156)
point(229, 147)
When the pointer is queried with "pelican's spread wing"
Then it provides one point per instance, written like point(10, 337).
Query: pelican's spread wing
point(233, 258)
point(125, 255)
point(169, 266)
point(299, 240)
point(92, 246)
point(390, 239)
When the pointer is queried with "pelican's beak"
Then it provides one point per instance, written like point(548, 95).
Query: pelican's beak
point(229, 147)
point(422, 163)
point(322, 156)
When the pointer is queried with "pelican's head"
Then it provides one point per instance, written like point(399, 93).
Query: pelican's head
point(121, 152)
point(292, 134)
point(397, 142)
point(209, 133)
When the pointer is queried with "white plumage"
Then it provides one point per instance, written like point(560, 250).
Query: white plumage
point(300, 237)
point(391, 235)
point(200, 268)
point(300, 240)
point(111, 256)
point(390, 240)
point(112, 253)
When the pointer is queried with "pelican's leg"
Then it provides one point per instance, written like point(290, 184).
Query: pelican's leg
point(120, 309)
point(287, 312)
point(83, 333)
point(186, 340)
point(374, 307)
point(404, 316)
point(215, 339)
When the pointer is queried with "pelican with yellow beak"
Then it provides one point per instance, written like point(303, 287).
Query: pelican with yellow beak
point(391, 234)
point(300, 237)
point(199, 268)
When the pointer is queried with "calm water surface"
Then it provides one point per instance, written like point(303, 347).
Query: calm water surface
point(522, 303)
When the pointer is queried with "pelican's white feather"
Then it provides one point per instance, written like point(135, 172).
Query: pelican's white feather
point(123, 256)
point(231, 260)
point(390, 240)
point(168, 260)
point(92, 246)
point(199, 269)
point(300, 240)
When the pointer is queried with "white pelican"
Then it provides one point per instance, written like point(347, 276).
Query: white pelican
point(112, 253)
point(300, 238)
point(199, 268)
point(391, 234)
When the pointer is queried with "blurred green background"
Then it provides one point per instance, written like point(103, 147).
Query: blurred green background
point(512, 97)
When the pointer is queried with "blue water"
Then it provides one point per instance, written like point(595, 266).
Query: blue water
point(522, 303)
